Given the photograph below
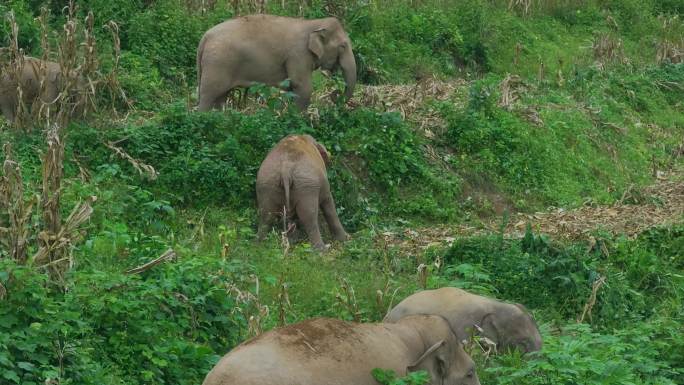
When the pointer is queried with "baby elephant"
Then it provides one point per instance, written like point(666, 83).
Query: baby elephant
point(293, 176)
point(508, 325)
point(30, 78)
point(325, 351)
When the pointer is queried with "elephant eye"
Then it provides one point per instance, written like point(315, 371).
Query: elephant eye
point(471, 373)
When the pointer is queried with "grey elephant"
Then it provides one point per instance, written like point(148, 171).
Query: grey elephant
point(269, 49)
point(325, 351)
point(30, 79)
point(293, 177)
point(510, 326)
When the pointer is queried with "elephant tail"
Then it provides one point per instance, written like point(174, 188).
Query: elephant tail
point(286, 185)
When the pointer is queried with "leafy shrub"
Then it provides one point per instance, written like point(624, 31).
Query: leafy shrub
point(559, 279)
point(169, 35)
point(169, 325)
point(29, 38)
point(582, 356)
point(403, 38)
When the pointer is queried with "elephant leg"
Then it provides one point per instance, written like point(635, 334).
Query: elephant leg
point(307, 213)
point(220, 101)
point(301, 85)
point(213, 94)
point(330, 213)
point(270, 209)
point(8, 111)
point(266, 220)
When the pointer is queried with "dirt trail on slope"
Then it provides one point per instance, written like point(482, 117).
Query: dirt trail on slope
point(659, 204)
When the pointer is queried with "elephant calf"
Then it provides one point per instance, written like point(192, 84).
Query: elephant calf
point(325, 351)
point(293, 176)
point(508, 325)
point(30, 79)
point(269, 49)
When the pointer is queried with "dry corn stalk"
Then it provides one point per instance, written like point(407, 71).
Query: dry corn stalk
point(15, 224)
point(284, 303)
point(349, 299)
point(524, 6)
point(607, 48)
point(250, 307)
point(592, 298)
point(168, 255)
point(112, 80)
point(510, 91)
point(670, 45)
point(142, 168)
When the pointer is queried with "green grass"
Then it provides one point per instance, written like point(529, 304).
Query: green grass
point(604, 131)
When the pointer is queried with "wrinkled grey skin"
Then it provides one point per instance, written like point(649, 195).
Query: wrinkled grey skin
point(30, 85)
point(269, 49)
point(510, 326)
point(293, 176)
point(324, 351)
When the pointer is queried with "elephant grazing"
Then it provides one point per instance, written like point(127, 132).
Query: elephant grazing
point(293, 176)
point(269, 49)
point(325, 351)
point(508, 325)
point(30, 79)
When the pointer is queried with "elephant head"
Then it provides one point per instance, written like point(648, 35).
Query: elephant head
point(447, 364)
point(332, 49)
point(512, 327)
point(443, 358)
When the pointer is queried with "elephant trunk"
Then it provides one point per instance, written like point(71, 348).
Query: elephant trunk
point(348, 65)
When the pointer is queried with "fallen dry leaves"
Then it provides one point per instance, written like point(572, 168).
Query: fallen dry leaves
point(409, 100)
point(659, 204)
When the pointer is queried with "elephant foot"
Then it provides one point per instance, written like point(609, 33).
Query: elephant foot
point(344, 236)
point(322, 248)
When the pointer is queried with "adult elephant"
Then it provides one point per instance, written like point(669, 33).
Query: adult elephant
point(33, 71)
point(293, 176)
point(269, 49)
point(510, 326)
point(326, 351)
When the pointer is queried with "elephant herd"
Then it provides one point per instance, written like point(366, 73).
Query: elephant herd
point(425, 331)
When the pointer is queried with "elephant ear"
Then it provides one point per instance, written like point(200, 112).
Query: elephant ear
point(490, 327)
point(316, 42)
point(324, 153)
point(425, 355)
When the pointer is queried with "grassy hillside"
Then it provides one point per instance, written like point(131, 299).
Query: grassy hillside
point(467, 112)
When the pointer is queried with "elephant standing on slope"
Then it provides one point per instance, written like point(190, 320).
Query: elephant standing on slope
point(293, 176)
point(325, 351)
point(269, 49)
point(29, 79)
point(510, 326)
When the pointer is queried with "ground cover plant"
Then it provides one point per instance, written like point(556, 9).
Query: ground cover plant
point(127, 252)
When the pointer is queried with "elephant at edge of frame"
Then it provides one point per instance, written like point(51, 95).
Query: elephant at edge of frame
point(325, 351)
point(293, 177)
point(508, 325)
point(270, 49)
point(30, 77)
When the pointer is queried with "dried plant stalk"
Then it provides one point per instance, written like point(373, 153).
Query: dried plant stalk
point(349, 299)
point(112, 80)
point(15, 225)
point(168, 255)
point(592, 298)
point(142, 168)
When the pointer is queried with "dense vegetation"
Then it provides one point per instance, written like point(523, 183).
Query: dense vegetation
point(567, 103)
